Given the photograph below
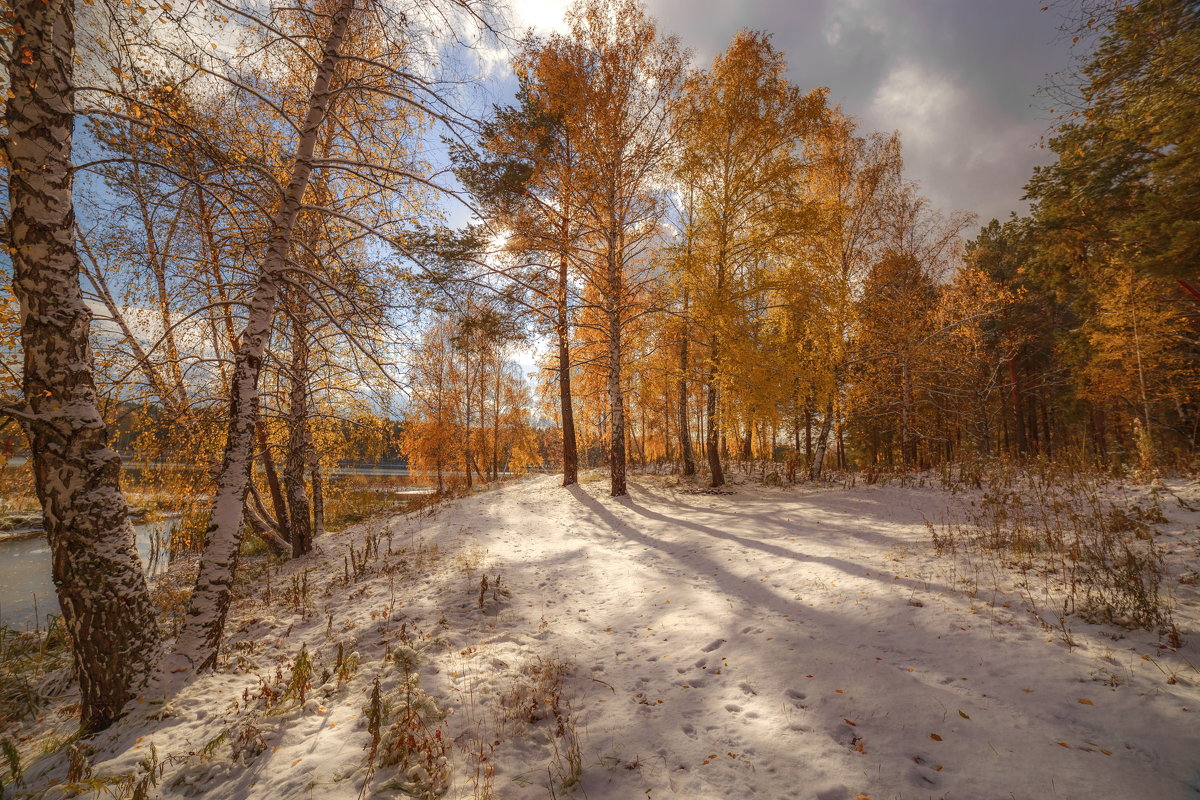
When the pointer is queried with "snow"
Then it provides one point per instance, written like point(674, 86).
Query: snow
point(769, 642)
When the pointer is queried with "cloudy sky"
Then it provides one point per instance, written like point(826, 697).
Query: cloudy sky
point(956, 78)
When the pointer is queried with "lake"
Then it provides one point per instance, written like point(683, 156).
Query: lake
point(27, 591)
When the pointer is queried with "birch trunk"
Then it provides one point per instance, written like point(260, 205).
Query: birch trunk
point(818, 461)
point(685, 433)
point(101, 587)
point(616, 400)
point(712, 442)
point(200, 639)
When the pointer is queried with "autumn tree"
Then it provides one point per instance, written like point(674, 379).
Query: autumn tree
point(622, 80)
point(851, 180)
point(741, 167)
point(525, 173)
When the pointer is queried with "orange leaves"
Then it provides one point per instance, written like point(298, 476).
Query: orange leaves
point(1083, 701)
point(935, 737)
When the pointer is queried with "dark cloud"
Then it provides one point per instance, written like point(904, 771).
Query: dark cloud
point(957, 78)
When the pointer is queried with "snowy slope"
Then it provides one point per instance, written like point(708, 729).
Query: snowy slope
point(773, 643)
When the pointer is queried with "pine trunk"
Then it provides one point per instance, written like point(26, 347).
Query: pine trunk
point(570, 451)
point(204, 623)
point(101, 587)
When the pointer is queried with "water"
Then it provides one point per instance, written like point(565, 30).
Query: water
point(26, 590)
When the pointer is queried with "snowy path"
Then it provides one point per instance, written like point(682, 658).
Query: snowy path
point(782, 644)
point(768, 643)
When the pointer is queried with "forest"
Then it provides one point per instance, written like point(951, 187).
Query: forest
point(291, 286)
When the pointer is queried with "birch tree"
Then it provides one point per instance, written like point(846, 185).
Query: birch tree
point(628, 75)
point(101, 587)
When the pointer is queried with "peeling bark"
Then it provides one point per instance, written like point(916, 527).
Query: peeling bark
point(101, 587)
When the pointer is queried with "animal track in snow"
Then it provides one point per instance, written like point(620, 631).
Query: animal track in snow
point(713, 645)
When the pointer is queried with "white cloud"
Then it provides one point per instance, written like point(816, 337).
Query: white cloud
point(544, 16)
point(919, 102)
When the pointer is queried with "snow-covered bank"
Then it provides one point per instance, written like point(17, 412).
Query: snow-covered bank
point(775, 643)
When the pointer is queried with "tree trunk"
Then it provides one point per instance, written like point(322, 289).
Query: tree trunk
point(616, 398)
point(685, 434)
point(808, 450)
point(204, 622)
point(712, 439)
point(318, 497)
point(272, 475)
point(570, 452)
point(1014, 398)
point(299, 442)
point(818, 461)
point(467, 457)
point(101, 587)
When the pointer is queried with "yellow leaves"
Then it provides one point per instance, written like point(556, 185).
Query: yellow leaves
point(1084, 701)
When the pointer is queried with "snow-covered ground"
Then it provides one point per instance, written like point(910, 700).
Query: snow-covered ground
point(767, 643)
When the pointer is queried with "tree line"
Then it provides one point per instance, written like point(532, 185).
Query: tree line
point(723, 268)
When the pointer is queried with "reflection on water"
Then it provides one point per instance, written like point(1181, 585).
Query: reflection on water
point(26, 589)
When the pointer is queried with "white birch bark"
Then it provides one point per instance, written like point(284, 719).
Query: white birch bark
point(200, 638)
point(101, 587)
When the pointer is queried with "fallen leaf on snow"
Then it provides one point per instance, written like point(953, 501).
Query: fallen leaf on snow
point(935, 737)
point(1085, 702)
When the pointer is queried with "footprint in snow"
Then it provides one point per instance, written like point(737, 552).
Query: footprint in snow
point(689, 731)
point(732, 708)
point(713, 645)
point(795, 696)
